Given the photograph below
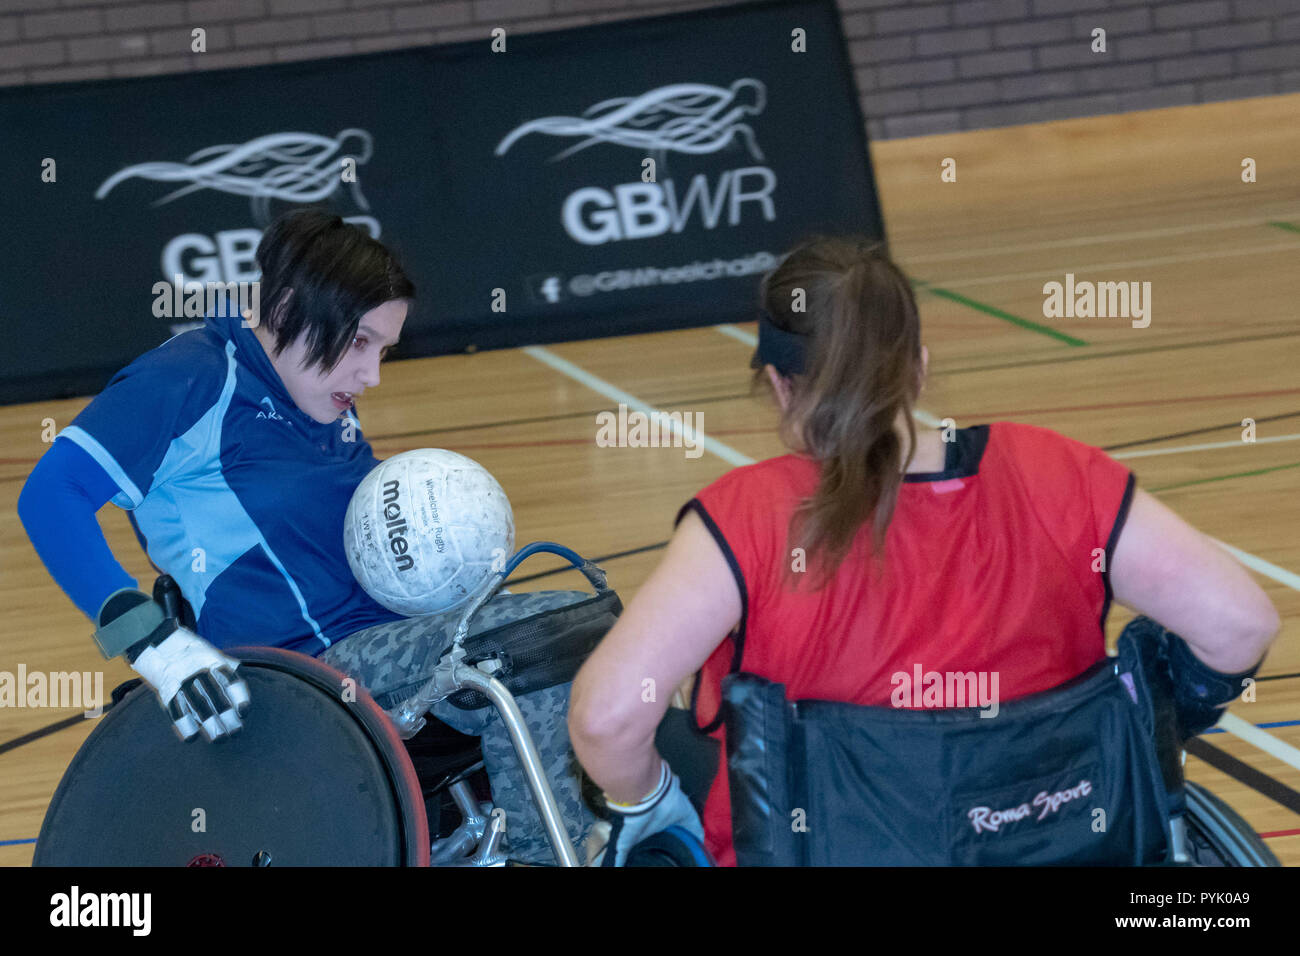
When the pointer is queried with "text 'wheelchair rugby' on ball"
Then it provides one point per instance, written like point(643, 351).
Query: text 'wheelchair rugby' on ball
point(425, 528)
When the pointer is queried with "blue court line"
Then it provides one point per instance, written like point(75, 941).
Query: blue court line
point(1276, 723)
point(16, 842)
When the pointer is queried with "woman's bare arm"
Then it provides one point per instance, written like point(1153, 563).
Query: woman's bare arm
point(683, 611)
point(1164, 568)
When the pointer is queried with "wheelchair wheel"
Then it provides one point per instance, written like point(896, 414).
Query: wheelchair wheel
point(675, 846)
point(311, 780)
point(1218, 836)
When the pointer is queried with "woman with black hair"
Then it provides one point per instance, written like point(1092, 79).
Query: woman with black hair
point(873, 550)
point(235, 450)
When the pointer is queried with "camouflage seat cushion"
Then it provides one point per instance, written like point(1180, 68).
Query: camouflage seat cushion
point(394, 660)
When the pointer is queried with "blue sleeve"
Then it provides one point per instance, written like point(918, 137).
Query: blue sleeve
point(57, 507)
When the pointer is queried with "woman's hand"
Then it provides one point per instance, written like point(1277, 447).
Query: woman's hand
point(195, 683)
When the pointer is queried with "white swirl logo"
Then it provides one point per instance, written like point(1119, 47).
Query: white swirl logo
point(683, 117)
point(296, 167)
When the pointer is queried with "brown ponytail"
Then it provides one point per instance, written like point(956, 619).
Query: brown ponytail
point(863, 368)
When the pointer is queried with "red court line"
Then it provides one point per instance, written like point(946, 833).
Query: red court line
point(1140, 404)
point(588, 441)
point(1280, 833)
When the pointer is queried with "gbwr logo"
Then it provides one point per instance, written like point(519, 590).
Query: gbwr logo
point(640, 210)
point(693, 118)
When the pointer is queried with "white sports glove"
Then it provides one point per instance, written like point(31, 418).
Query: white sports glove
point(195, 683)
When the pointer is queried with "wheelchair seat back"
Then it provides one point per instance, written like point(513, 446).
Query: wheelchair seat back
point(1072, 775)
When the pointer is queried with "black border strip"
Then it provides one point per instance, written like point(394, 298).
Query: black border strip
point(738, 635)
point(1130, 487)
point(961, 457)
point(45, 731)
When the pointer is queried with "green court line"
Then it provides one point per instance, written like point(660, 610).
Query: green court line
point(998, 313)
point(1240, 474)
point(1288, 226)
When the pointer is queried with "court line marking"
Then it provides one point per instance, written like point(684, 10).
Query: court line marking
point(1264, 726)
point(1202, 447)
point(740, 335)
point(1004, 315)
point(1214, 479)
point(1281, 575)
point(1187, 433)
point(581, 375)
point(1279, 833)
point(1257, 737)
point(1136, 403)
point(1262, 739)
point(1094, 239)
point(1059, 357)
point(1126, 264)
point(737, 333)
point(1244, 772)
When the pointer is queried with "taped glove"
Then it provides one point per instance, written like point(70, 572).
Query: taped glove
point(194, 682)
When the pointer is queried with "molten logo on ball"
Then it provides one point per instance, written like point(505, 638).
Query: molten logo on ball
point(424, 528)
point(396, 525)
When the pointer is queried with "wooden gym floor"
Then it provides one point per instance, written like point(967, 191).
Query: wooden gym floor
point(1154, 196)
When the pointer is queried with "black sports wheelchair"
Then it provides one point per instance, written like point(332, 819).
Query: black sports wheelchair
point(1087, 773)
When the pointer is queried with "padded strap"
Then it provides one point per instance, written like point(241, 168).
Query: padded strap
point(129, 627)
point(759, 753)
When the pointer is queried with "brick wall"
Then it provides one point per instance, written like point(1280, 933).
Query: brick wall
point(920, 67)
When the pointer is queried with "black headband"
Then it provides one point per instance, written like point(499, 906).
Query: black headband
point(783, 350)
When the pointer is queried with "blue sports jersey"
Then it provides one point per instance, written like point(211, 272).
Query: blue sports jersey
point(235, 492)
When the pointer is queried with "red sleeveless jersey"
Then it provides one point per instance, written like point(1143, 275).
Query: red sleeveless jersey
point(997, 564)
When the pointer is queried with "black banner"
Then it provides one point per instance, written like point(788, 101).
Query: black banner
point(621, 178)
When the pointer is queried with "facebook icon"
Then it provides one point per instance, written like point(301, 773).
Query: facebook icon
point(546, 288)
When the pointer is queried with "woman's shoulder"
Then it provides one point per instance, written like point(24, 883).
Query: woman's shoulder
point(166, 390)
point(190, 362)
point(1054, 466)
point(766, 479)
point(1036, 442)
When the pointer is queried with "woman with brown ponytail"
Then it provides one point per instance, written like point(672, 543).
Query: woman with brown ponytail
point(873, 549)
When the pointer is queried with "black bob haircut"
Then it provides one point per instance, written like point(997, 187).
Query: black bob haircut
point(337, 273)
